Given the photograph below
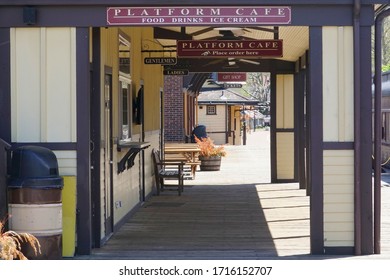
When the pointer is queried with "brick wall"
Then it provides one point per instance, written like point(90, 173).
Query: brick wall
point(173, 109)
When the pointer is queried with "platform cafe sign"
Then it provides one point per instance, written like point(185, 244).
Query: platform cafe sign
point(230, 48)
point(179, 16)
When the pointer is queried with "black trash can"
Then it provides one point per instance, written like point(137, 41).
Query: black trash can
point(35, 199)
point(199, 132)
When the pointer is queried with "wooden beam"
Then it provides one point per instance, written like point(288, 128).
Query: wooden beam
point(161, 33)
point(200, 32)
point(207, 65)
point(271, 30)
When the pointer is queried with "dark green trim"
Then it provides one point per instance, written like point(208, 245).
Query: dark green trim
point(178, 2)
point(5, 84)
point(84, 214)
point(365, 124)
point(285, 181)
point(273, 128)
point(286, 130)
point(339, 250)
point(299, 124)
point(338, 145)
point(95, 137)
point(315, 126)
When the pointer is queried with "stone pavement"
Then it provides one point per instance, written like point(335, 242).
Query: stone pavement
point(243, 164)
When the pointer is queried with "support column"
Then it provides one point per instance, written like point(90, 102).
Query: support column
point(5, 85)
point(84, 225)
point(315, 148)
point(338, 136)
point(367, 243)
point(5, 114)
point(300, 138)
point(96, 115)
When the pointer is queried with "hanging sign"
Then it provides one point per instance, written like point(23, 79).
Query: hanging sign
point(232, 77)
point(176, 72)
point(230, 48)
point(232, 85)
point(178, 16)
point(160, 60)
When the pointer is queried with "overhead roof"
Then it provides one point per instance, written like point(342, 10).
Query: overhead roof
point(295, 38)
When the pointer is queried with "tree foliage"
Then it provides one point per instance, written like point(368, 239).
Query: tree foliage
point(386, 43)
point(259, 86)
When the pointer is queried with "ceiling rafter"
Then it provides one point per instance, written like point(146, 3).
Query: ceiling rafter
point(200, 32)
point(161, 33)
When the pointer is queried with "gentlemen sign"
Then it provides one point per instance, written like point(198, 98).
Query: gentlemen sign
point(160, 60)
point(229, 48)
point(267, 15)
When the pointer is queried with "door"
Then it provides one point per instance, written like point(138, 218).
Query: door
point(108, 158)
point(284, 154)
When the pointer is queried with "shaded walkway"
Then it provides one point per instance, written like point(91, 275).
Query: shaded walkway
point(219, 222)
point(234, 213)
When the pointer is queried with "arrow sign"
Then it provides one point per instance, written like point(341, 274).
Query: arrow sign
point(225, 85)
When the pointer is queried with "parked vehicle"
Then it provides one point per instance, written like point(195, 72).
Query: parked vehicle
point(385, 157)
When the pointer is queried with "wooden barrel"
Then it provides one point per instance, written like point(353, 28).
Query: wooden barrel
point(210, 163)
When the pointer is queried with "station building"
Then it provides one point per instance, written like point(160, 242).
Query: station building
point(74, 79)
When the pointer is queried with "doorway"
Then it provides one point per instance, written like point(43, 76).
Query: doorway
point(108, 158)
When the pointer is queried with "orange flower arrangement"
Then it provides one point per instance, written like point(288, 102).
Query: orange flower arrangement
point(208, 148)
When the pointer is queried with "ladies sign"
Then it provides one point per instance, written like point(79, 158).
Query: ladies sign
point(268, 15)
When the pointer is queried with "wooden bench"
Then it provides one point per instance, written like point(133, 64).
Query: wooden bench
point(187, 152)
point(162, 172)
point(189, 168)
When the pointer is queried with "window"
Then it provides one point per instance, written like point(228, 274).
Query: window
point(211, 110)
point(125, 112)
point(125, 96)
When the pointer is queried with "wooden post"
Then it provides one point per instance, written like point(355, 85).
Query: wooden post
point(4, 147)
point(243, 127)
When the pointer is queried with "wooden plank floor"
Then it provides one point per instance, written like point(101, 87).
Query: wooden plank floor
point(216, 221)
point(234, 213)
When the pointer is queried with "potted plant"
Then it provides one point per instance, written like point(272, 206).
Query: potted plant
point(11, 244)
point(210, 154)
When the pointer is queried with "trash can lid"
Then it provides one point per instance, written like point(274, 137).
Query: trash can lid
point(35, 165)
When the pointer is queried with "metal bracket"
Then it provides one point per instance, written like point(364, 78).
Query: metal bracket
point(128, 160)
